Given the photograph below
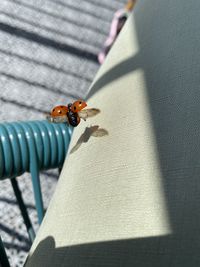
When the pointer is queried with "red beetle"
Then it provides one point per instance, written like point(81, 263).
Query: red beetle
point(72, 113)
point(59, 111)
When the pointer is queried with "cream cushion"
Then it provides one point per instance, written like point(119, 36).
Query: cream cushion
point(131, 198)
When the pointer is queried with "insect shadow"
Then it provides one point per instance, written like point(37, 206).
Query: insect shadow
point(94, 131)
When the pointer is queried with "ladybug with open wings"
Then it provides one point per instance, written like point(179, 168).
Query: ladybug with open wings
point(72, 113)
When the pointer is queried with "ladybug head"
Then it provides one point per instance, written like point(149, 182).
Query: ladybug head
point(78, 106)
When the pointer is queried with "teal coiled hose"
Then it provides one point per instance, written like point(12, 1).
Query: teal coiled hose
point(32, 146)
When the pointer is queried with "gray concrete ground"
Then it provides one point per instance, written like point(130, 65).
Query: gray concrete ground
point(48, 54)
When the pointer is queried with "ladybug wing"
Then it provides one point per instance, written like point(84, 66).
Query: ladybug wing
point(58, 119)
point(87, 113)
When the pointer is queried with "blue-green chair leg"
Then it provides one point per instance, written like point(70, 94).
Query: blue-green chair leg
point(3, 257)
point(23, 209)
point(34, 170)
point(37, 190)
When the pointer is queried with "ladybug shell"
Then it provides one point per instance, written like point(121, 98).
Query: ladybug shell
point(78, 106)
point(59, 111)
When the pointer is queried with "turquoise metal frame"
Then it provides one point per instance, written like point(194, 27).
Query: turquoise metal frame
point(31, 146)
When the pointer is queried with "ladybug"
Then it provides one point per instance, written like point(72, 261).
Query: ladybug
point(59, 111)
point(72, 113)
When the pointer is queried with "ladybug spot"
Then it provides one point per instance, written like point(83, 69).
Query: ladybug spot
point(59, 111)
point(80, 102)
point(74, 108)
point(54, 109)
point(62, 106)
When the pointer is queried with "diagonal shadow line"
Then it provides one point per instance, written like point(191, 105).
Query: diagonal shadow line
point(14, 233)
point(16, 246)
point(33, 37)
point(14, 202)
point(102, 5)
point(50, 29)
point(45, 64)
point(59, 17)
point(22, 105)
point(116, 73)
point(39, 85)
point(81, 10)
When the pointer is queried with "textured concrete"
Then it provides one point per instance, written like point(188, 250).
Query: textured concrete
point(48, 56)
